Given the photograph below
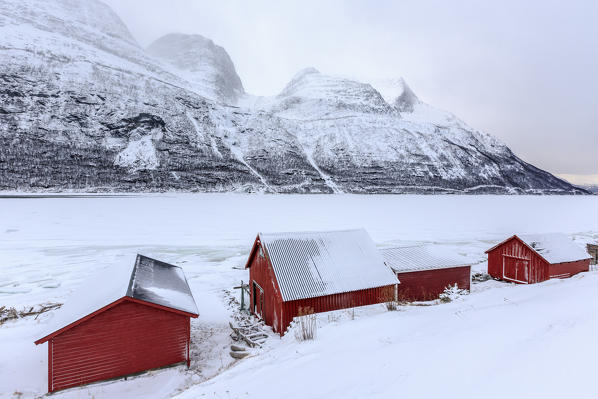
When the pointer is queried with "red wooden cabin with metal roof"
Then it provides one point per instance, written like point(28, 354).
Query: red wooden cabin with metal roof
point(125, 321)
point(290, 273)
point(426, 271)
point(528, 259)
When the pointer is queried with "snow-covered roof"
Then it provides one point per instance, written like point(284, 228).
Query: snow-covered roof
point(312, 264)
point(555, 247)
point(161, 283)
point(419, 257)
point(146, 279)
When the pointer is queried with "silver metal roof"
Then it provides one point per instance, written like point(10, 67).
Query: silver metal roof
point(312, 264)
point(419, 257)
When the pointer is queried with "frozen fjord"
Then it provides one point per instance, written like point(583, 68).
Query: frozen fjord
point(48, 246)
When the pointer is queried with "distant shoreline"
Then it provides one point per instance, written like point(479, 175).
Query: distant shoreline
point(34, 196)
point(31, 195)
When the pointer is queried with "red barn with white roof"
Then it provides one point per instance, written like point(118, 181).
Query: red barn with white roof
point(128, 319)
point(425, 271)
point(321, 271)
point(528, 259)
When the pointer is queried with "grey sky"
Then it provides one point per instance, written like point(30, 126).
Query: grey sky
point(524, 71)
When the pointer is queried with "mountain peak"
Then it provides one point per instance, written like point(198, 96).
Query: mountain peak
point(314, 94)
point(396, 92)
point(305, 71)
point(407, 99)
point(299, 79)
point(89, 21)
point(205, 64)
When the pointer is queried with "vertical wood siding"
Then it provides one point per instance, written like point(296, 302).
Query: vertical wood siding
point(329, 303)
point(426, 285)
point(126, 339)
point(568, 269)
point(510, 258)
point(261, 273)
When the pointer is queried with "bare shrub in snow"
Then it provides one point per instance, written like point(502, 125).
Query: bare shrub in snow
point(451, 293)
point(306, 326)
point(389, 299)
point(333, 317)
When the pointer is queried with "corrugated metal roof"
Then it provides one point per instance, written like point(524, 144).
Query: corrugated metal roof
point(419, 257)
point(311, 264)
point(555, 247)
point(145, 279)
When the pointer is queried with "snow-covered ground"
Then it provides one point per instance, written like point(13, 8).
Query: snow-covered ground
point(501, 340)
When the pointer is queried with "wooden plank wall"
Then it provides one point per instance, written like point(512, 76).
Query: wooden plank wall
point(126, 339)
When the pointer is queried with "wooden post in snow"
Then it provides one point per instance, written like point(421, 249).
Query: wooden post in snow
point(244, 288)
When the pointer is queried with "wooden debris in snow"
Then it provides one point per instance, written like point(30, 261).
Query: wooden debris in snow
point(252, 334)
point(7, 314)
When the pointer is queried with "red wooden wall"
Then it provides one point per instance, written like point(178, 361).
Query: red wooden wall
point(279, 314)
point(126, 339)
point(329, 303)
point(514, 256)
point(520, 263)
point(568, 269)
point(426, 285)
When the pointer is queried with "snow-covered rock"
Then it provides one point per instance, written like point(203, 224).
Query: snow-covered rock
point(84, 107)
point(139, 154)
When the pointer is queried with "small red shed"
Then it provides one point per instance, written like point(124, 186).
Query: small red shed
point(528, 259)
point(320, 271)
point(125, 320)
point(425, 271)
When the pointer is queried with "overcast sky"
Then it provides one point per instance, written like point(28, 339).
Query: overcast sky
point(524, 71)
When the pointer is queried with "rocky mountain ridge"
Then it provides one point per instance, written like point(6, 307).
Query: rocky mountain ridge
point(84, 108)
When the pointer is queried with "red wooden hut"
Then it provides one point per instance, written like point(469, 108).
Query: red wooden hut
point(528, 259)
point(425, 271)
point(315, 271)
point(125, 320)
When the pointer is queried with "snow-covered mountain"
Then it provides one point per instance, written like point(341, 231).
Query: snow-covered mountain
point(84, 107)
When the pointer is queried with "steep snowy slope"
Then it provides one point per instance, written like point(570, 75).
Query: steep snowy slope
point(83, 107)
